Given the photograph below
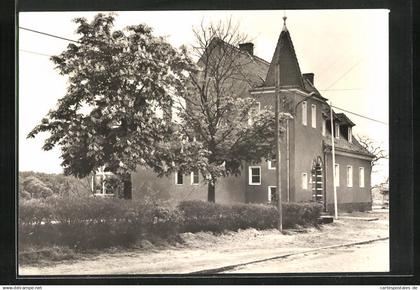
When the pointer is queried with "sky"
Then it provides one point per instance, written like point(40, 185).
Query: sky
point(347, 50)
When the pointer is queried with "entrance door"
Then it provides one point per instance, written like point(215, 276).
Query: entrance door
point(317, 181)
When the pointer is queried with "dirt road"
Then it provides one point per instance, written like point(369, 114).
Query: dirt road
point(372, 257)
point(202, 251)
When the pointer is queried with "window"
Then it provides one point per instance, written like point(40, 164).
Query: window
point(361, 177)
point(337, 175)
point(350, 136)
point(272, 194)
point(304, 180)
point(254, 110)
point(349, 176)
point(102, 182)
point(254, 175)
point(313, 116)
point(324, 127)
point(272, 163)
point(337, 130)
point(304, 114)
point(179, 178)
point(195, 177)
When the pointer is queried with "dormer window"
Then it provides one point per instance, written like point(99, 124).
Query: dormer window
point(349, 135)
point(346, 125)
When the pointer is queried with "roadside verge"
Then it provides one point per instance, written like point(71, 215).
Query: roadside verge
point(231, 267)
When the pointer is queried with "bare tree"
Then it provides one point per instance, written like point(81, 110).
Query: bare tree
point(371, 146)
point(216, 115)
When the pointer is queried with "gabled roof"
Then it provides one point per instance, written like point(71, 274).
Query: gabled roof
point(253, 68)
point(285, 56)
point(340, 117)
point(311, 89)
point(344, 120)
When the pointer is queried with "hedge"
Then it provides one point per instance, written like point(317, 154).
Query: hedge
point(93, 222)
point(98, 223)
point(205, 216)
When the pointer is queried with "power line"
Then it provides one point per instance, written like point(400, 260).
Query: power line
point(67, 39)
point(359, 115)
point(48, 34)
point(33, 52)
point(343, 75)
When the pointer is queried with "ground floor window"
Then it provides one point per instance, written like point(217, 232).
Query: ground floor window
point(349, 176)
point(254, 175)
point(272, 194)
point(195, 177)
point(361, 177)
point(179, 177)
point(337, 175)
point(304, 180)
point(105, 183)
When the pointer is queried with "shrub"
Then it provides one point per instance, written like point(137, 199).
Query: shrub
point(303, 214)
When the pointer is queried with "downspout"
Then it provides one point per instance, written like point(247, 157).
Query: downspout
point(333, 163)
point(324, 177)
point(288, 160)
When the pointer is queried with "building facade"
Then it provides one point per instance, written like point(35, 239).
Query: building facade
point(306, 155)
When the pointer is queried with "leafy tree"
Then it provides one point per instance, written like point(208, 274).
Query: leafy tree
point(118, 81)
point(216, 135)
point(23, 193)
point(36, 188)
point(60, 184)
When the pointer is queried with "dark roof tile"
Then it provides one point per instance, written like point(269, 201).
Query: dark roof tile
point(285, 56)
point(346, 146)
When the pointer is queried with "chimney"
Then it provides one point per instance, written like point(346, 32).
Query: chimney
point(247, 47)
point(309, 77)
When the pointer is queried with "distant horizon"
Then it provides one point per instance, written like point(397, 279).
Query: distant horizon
point(347, 50)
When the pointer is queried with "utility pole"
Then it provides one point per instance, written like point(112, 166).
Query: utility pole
point(278, 157)
point(333, 162)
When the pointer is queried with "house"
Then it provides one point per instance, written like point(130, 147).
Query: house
point(306, 163)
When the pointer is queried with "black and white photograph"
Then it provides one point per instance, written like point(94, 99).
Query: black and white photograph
point(208, 142)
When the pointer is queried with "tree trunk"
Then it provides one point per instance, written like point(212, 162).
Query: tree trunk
point(211, 192)
point(127, 191)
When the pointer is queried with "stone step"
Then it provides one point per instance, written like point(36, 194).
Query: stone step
point(326, 219)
